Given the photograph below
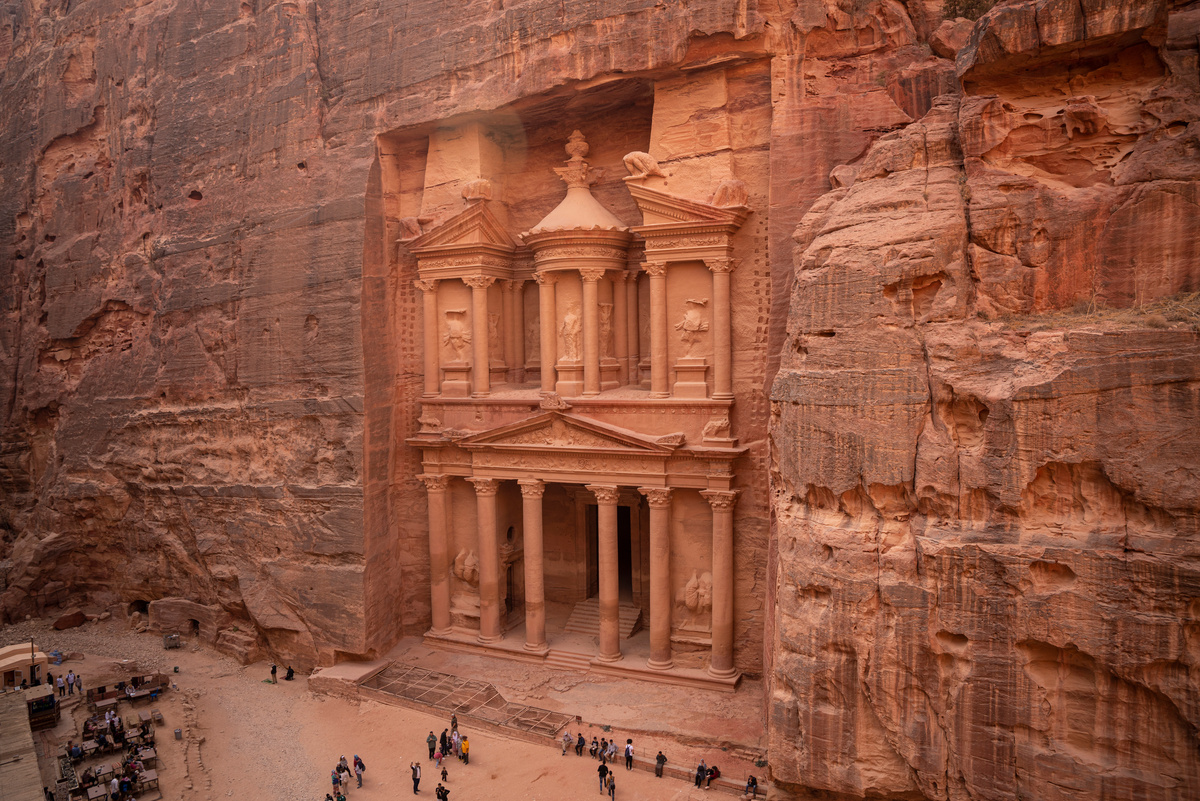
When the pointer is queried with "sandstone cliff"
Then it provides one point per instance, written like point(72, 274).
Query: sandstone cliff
point(987, 475)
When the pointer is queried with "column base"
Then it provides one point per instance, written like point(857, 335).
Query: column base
point(439, 632)
point(489, 640)
point(480, 394)
point(609, 657)
point(722, 396)
point(722, 674)
point(660, 394)
point(655, 665)
point(539, 648)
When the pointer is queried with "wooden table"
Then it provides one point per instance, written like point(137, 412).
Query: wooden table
point(104, 770)
point(89, 746)
point(97, 791)
point(149, 757)
point(148, 777)
point(144, 716)
point(107, 703)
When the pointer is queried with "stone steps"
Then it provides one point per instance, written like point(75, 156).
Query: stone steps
point(567, 660)
point(585, 619)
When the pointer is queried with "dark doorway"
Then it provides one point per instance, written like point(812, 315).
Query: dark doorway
point(194, 627)
point(624, 552)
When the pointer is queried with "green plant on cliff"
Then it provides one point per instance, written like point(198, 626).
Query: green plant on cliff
point(971, 9)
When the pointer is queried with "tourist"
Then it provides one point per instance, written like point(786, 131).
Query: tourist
point(291, 674)
point(360, 768)
point(340, 797)
point(431, 741)
point(328, 797)
point(579, 744)
point(453, 722)
point(442, 793)
point(612, 785)
point(445, 775)
point(344, 773)
point(466, 751)
point(659, 761)
point(603, 772)
point(594, 749)
point(713, 773)
point(62, 687)
point(335, 779)
point(701, 773)
point(79, 683)
point(752, 788)
point(566, 742)
point(274, 669)
point(416, 776)
point(611, 752)
point(456, 744)
point(437, 757)
point(70, 682)
point(114, 786)
point(444, 741)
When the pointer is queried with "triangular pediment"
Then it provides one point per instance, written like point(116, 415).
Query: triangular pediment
point(660, 208)
point(473, 226)
point(556, 430)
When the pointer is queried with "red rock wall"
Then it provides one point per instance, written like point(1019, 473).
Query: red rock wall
point(986, 479)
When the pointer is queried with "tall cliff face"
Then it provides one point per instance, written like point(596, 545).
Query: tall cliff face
point(987, 475)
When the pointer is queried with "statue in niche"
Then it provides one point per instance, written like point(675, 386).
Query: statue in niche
point(458, 335)
point(495, 347)
point(730, 192)
point(641, 165)
point(466, 567)
point(572, 327)
point(606, 330)
point(693, 324)
point(694, 602)
point(477, 189)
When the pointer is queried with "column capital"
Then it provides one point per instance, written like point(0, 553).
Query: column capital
point(485, 486)
point(513, 284)
point(657, 497)
point(479, 281)
point(426, 284)
point(655, 267)
point(721, 265)
point(606, 494)
point(545, 279)
point(592, 274)
point(618, 277)
point(532, 487)
point(435, 483)
point(721, 500)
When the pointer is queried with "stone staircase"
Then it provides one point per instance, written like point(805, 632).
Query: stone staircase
point(567, 660)
point(585, 619)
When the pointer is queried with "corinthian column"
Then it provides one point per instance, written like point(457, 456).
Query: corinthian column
point(535, 582)
point(722, 502)
point(610, 629)
point(722, 333)
point(429, 321)
point(657, 271)
point(439, 555)
point(591, 330)
point(659, 499)
point(489, 559)
point(480, 369)
point(548, 347)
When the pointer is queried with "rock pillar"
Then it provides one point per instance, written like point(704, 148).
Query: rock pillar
point(439, 555)
point(722, 502)
point(621, 327)
point(591, 330)
point(432, 340)
point(658, 328)
point(610, 631)
point(549, 335)
point(489, 559)
point(535, 584)
point(481, 363)
point(659, 499)
point(722, 331)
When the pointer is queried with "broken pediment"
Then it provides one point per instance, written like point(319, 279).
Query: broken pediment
point(555, 430)
point(663, 208)
point(473, 236)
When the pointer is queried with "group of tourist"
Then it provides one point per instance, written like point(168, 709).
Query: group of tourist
point(125, 774)
point(449, 743)
point(340, 777)
point(67, 685)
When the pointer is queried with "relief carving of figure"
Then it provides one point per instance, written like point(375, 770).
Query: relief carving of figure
point(606, 330)
point(572, 327)
point(466, 567)
point(717, 428)
point(694, 602)
point(693, 324)
point(730, 192)
point(495, 346)
point(641, 165)
point(458, 335)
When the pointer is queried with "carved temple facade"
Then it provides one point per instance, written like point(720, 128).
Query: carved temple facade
point(587, 384)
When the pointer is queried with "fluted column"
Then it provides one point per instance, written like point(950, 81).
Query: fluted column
point(722, 332)
point(606, 514)
point(632, 325)
point(535, 577)
point(439, 553)
point(722, 502)
point(657, 271)
point(433, 367)
point(659, 499)
point(621, 326)
point(489, 559)
point(481, 368)
point(591, 330)
point(548, 347)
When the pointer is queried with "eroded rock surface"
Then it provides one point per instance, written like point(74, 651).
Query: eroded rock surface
point(986, 472)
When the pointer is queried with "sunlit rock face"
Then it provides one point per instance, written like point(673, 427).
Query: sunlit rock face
point(986, 468)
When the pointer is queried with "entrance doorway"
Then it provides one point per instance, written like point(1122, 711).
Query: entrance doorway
point(624, 552)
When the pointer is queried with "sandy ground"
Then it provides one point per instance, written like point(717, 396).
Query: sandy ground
point(246, 738)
